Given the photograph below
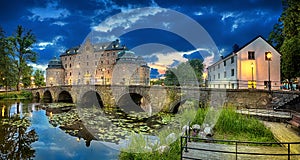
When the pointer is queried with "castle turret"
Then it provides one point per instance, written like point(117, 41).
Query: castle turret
point(54, 73)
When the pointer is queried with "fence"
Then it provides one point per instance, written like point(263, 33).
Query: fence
point(184, 140)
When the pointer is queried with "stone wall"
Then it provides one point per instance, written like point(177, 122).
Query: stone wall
point(168, 98)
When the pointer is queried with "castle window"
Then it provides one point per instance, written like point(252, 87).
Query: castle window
point(70, 73)
point(66, 66)
point(107, 54)
point(232, 60)
point(232, 72)
point(70, 58)
point(225, 63)
point(87, 63)
point(70, 65)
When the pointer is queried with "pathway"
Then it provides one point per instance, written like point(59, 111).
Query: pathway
point(280, 131)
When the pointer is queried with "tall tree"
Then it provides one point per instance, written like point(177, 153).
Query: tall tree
point(21, 43)
point(7, 67)
point(39, 79)
point(285, 37)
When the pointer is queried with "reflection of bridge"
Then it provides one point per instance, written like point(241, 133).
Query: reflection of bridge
point(154, 98)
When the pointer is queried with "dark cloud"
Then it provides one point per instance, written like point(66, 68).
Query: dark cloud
point(247, 20)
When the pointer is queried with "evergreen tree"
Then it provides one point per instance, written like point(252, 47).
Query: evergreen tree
point(285, 37)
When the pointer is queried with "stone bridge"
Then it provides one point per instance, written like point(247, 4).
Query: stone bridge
point(155, 98)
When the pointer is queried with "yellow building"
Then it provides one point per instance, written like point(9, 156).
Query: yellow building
point(252, 66)
point(91, 64)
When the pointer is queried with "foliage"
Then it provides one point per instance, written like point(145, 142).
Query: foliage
point(39, 79)
point(26, 78)
point(21, 43)
point(187, 74)
point(285, 37)
point(157, 82)
point(16, 95)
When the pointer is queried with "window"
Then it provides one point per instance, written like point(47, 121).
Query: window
point(251, 55)
point(225, 86)
point(65, 58)
point(218, 66)
point(232, 86)
point(78, 57)
point(232, 72)
point(70, 58)
point(87, 56)
point(70, 65)
point(87, 63)
point(107, 54)
point(224, 74)
point(218, 75)
point(66, 66)
point(232, 60)
point(225, 63)
point(266, 57)
point(96, 63)
point(70, 73)
point(214, 68)
point(79, 73)
point(214, 77)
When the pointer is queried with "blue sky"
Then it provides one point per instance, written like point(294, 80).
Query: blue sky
point(164, 34)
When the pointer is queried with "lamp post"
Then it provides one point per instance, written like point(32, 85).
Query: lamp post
point(269, 58)
point(252, 65)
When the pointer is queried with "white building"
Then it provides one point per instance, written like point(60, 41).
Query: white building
point(248, 67)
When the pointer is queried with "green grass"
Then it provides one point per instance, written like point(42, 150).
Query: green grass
point(16, 95)
point(230, 126)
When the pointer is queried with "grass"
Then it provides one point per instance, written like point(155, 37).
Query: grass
point(229, 126)
point(16, 95)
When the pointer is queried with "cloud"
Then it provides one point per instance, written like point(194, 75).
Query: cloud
point(50, 12)
point(44, 45)
point(198, 13)
point(41, 67)
point(132, 16)
point(59, 23)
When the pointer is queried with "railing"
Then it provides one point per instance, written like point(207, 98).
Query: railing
point(184, 140)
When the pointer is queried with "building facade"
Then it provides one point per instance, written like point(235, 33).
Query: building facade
point(252, 66)
point(92, 64)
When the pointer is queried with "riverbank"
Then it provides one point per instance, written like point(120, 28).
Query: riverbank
point(230, 125)
point(16, 95)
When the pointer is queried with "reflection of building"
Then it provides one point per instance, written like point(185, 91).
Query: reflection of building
point(93, 64)
point(247, 68)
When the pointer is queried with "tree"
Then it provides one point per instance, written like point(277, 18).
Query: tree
point(26, 78)
point(285, 37)
point(21, 43)
point(39, 79)
point(7, 67)
point(187, 73)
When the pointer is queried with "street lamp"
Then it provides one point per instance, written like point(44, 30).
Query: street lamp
point(252, 65)
point(268, 56)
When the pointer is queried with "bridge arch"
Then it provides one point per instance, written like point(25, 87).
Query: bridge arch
point(47, 97)
point(175, 107)
point(91, 98)
point(37, 96)
point(65, 96)
point(133, 102)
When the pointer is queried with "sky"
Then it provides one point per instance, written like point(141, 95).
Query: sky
point(164, 32)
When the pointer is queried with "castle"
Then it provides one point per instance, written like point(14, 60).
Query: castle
point(98, 64)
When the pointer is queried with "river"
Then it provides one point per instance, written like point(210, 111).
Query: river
point(40, 140)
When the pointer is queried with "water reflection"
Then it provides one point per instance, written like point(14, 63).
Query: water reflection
point(15, 137)
point(25, 133)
